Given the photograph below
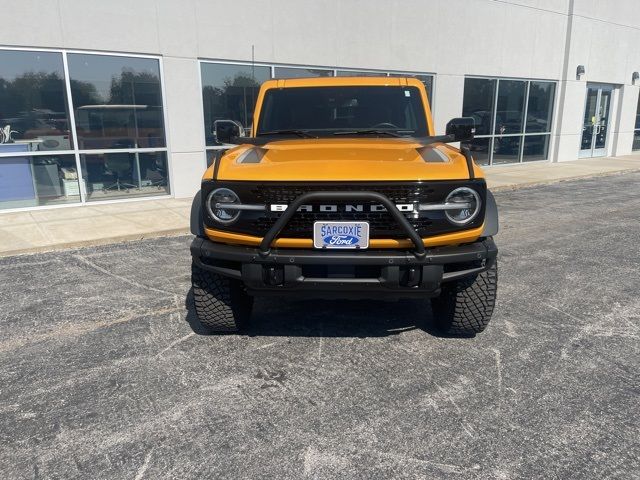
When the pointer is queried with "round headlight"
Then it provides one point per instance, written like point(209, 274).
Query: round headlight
point(218, 197)
point(469, 201)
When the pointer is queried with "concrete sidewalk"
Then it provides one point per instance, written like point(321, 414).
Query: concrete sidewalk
point(42, 230)
point(520, 175)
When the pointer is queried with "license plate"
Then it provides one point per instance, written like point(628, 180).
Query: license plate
point(341, 235)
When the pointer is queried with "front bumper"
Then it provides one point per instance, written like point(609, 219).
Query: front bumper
point(364, 274)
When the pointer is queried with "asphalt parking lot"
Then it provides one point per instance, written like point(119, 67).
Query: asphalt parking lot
point(104, 372)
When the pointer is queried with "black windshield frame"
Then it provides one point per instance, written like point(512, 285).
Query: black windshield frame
point(349, 110)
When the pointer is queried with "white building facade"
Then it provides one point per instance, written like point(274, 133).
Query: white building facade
point(109, 101)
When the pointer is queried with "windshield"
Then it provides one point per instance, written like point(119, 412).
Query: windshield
point(325, 111)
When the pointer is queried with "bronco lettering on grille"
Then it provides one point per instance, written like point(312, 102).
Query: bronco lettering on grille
point(403, 207)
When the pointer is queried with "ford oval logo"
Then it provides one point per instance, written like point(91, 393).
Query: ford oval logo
point(340, 240)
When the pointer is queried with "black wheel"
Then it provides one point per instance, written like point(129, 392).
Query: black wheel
point(465, 306)
point(222, 304)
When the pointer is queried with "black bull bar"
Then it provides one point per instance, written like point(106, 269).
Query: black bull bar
point(265, 245)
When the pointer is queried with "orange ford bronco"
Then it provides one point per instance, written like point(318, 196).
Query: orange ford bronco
point(342, 190)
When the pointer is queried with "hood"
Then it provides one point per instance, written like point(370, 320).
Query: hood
point(344, 159)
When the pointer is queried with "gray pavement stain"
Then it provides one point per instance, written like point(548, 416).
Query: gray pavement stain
point(105, 373)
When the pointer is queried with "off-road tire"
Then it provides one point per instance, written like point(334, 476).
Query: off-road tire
point(465, 306)
point(221, 303)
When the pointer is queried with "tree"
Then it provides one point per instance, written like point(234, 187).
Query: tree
point(135, 88)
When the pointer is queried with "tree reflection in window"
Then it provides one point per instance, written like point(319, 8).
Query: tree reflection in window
point(229, 92)
point(117, 101)
point(33, 104)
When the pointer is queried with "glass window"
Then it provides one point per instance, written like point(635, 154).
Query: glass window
point(33, 101)
point(536, 147)
point(506, 104)
point(327, 110)
point(636, 130)
point(30, 180)
point(291, 72)
point(117, 101)
point(124, 174)
point(480, 149)
point(478, 103)
point(636, 140)
point(540, 106)
point(427, 80)
point(506, 149)
point(359, 73)
point(229, 92)
point(510, 108)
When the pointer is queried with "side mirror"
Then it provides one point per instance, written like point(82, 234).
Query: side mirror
point(463, 129)
point(224, 130)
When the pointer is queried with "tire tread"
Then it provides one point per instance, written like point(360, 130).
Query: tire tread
point(465, 308)
point(221, 304)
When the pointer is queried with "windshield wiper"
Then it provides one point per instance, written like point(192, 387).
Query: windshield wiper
point(299, 133)
point(373, 132)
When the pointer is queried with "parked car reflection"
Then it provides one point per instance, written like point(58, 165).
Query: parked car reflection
point(40, 129)
point(119, 126)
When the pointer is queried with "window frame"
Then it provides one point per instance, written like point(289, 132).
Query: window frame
point(383, 73)
point(524, 132)
point(76, 151)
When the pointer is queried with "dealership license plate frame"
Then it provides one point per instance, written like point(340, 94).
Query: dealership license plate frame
point(320, 243)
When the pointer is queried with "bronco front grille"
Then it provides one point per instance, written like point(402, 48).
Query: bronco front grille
point(402, 193)
point(381, 224)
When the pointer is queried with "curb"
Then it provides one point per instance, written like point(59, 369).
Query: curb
point(518, 186)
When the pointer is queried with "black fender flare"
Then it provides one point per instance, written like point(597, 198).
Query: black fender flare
point(197, 219)
point(491, 223)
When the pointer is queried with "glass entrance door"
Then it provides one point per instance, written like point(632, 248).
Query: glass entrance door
point(596, 122)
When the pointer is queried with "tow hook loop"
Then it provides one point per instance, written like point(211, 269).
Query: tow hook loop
point(413, 277)
point(275, 275)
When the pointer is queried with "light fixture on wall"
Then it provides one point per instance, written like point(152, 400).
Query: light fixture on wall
point(579, 71)
point(634, 76)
